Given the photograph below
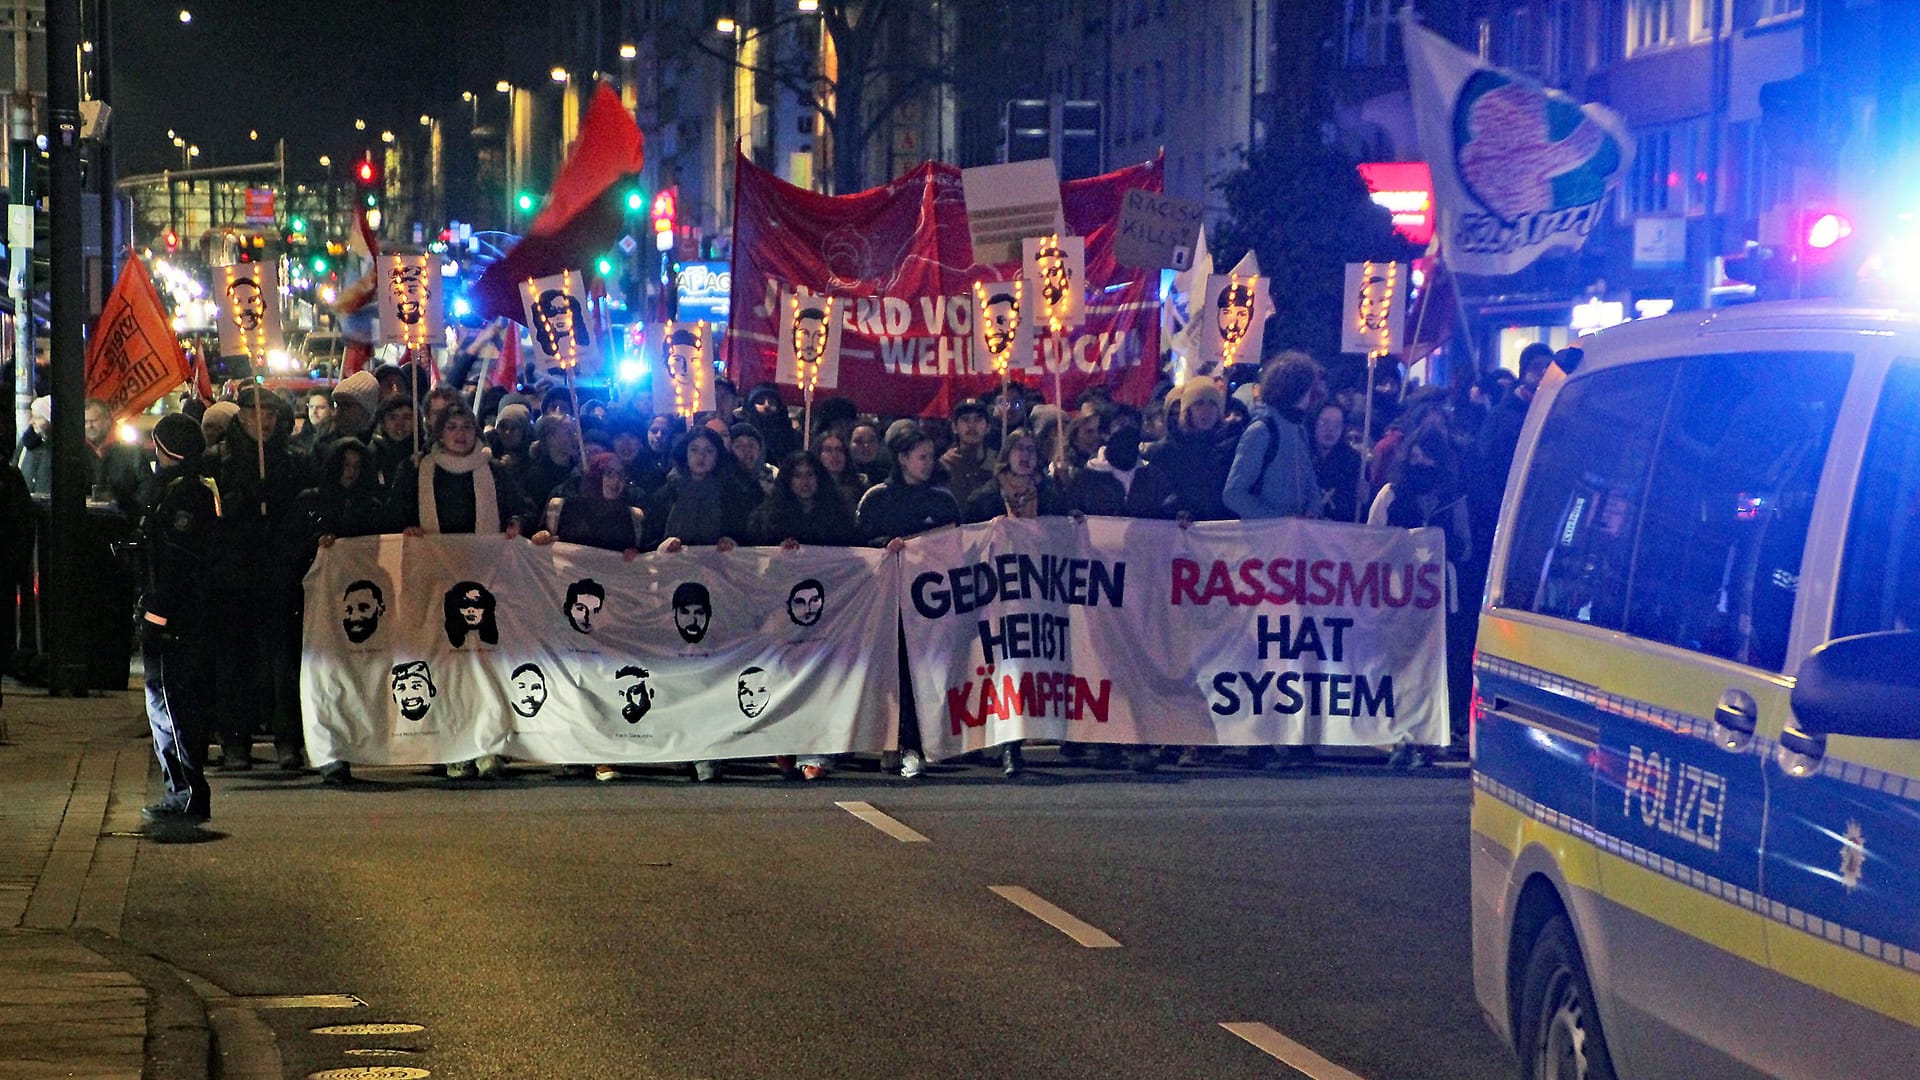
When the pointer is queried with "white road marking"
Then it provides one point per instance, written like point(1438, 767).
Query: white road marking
point(1084, 933)
point(1291, 1053)
point(865, 812)
point(302, 1001)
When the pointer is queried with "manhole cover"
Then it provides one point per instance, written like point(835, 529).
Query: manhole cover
point(372, 1072)
point(368, 1029)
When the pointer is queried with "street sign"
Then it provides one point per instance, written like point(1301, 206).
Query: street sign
point(1156, 230)
point(260, 206)
point(704, 288)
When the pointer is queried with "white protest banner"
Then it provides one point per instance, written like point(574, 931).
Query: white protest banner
point(810, 340)
point(1123, 631)
point(1055, 267)
point(566, 338)
point(411, 308)
point(683, 372)
point(442, 648)
point(1518, 169)
point(248, 298)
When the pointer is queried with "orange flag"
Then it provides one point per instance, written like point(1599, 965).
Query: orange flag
point(134, 358)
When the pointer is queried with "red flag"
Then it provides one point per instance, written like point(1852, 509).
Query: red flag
point(583, 214)
point(506, 369)
point(134, 358)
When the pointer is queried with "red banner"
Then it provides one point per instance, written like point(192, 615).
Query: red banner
point(901, 257)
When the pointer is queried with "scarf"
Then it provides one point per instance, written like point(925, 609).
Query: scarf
point(486, 504)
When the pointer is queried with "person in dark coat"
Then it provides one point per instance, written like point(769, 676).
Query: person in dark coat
point(1197, 453)
point(868, 454)
point(644, 470)
point(836, 465)
point(395, 438)
point(804, 508)
point(600, 514)
point(554, 456)
point(1116, 483)
point(766, 412)
point(1020, 487)
point(255, 627)
point(347, 500)
point(906, 505)
point(968, 463)
point(706, 500)
point(1336, 464)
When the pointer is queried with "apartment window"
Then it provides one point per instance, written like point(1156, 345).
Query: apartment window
point(1483, 36)
point(1371, 32)
point(1140, 102)
point(1608, 22)
point(1159, 97)
point(1700, 19)
point(1120, 108)
point(1781, 9)
point(1651, 24)
point(1557, 64)
point(1670, 169)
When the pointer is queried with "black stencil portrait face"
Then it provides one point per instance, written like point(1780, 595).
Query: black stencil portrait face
point(683, 351)
point(809, 335)
point(562, 322)
point(1235, 308)
point(692, 611)
point(529, 690)
point(411, 292)
point(413, 689)
point(1003, 322)
point(360, 609)
point(585, 598)
point(249, 309)
point(468, 610)
point(636, 695)
point(755, 692)
point(1056, 278)
point(806, 601)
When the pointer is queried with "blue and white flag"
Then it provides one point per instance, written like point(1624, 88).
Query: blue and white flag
point(1518, 169)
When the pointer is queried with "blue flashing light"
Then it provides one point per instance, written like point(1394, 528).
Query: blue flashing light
point(631, 371)
point(461, 308)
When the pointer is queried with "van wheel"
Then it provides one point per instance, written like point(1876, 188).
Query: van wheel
point(1559, 1032)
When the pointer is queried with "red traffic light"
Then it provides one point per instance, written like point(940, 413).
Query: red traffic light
point(366, 171)
point(1826, 230)
point(663, 207)
point(171, 239)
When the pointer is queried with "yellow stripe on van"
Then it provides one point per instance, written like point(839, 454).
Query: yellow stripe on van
point(1872, 984)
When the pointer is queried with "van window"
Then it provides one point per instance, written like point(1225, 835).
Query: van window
point(1880, 569)
point(1730, 501)
point(1572, 549)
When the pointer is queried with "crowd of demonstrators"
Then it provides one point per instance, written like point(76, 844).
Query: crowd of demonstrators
point(384, 452)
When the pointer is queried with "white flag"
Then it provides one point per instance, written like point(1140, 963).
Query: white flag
point(1518, 169)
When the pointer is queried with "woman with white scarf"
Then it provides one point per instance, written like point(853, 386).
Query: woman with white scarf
point(458, 488)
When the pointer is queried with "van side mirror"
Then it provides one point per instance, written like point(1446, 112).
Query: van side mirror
point(1867, 685)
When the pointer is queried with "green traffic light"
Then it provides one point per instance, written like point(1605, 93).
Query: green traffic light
point(606, 267)
point(525, 201)
point(636, 200)
point(320, 265)
point(298, 225)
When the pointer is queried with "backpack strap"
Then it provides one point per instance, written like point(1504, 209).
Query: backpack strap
point(1266, 459)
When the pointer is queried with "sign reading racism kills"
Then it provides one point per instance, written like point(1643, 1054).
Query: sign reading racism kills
point(1107, 631)
point(901, 260)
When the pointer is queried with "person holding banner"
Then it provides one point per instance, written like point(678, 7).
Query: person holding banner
point(1197, 452)
point(1019, 488)
point(705, 501)
point(1272, 473)
point(805, 507)
point(837, 466)
point(394, 438)
point(906, 505)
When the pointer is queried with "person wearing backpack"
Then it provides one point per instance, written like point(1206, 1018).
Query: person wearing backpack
point(1272, 474)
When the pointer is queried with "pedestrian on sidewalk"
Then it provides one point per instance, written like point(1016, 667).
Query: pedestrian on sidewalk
point(177, 531)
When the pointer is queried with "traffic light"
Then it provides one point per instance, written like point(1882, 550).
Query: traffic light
point(605, 266)
point(320, 264)
point(297, 225)
point(636, 201)
point(1819, 257)
point(172, 241)
point(525, 202)
point(662, 218)
point(367, 173)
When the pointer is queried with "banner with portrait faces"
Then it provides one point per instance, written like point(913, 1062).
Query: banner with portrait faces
point(810, 340)
point(442, 648)
point(567, 338)
point(683, 367)
point(248, 298)
point(412, 308)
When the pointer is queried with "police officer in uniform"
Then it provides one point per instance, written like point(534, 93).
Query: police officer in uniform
point(176, 532)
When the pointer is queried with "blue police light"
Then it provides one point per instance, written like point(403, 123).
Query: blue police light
point(461, 308)
point(631, 371)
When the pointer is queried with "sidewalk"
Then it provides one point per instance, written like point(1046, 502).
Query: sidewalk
point(73, 1001)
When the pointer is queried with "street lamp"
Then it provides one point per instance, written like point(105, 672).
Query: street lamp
point(629, 51)
point(386, 136)
point(359, 124)
point(725, 25)
point(326, 162)
point(186, 16)
point(558, 74)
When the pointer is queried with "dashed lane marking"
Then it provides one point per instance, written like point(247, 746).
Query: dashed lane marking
point(368, 1029)
point(865, 812)
point(1290, 1053)
point(302, 1001)
point(1082, 932)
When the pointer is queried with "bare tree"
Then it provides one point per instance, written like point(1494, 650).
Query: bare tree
point(882, 61)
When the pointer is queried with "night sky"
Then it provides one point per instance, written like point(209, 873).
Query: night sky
point(294, 69)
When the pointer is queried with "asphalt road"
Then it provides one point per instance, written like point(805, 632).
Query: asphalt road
point(655, 928)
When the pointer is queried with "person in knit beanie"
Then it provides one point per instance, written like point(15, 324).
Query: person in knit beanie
point(220, 414)
point(354, 400)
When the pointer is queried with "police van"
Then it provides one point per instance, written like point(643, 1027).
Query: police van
point(1696, 715)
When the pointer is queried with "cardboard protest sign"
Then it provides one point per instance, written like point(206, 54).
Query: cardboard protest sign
point(1008, 203)
point(247, 297)
point(1157, 231)
point(1002, 326)
point(682, 370)
point(1374, 309)
point(1233, 317)
point(412, 301)
point(567, 342)
point(1056, 271)
point(810, 341)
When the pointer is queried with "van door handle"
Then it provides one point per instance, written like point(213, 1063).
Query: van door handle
point(1735, 720)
